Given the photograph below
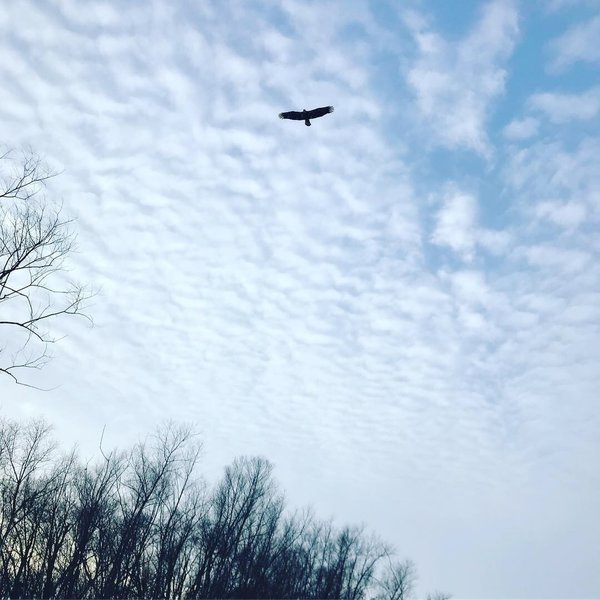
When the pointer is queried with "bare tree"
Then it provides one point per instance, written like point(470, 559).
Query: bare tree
point(25, 451)
point(243, 507)
point(140, 524)
point(95, 491)
point(439, 596)
point(34, 243)
point(398, 581)
point(153, 474)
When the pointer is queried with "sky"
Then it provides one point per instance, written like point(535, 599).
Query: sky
point(398, 306)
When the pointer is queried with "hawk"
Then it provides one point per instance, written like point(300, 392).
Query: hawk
point(306, 115)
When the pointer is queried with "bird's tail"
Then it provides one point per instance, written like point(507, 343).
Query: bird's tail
point(307, 123)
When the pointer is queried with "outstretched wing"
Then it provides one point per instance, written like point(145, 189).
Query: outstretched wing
point(292, 114)
point(318, 112)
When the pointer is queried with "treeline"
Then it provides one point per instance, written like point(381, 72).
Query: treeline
point(143, 524)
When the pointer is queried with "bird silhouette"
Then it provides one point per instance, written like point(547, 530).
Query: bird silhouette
point(306, 115)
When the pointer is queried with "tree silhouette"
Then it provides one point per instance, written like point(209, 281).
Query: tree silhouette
point(143, 523)
point(34, 242)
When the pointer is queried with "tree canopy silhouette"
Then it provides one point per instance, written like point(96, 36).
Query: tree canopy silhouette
point(142, 523)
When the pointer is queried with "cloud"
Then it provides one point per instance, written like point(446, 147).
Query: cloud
point(455, 84)
point(455, 223)
point(562, 108)
point(457, 227)
point(495, 241)
point(569, 215)
point(552, 171)
point(521, 129)
point(578, 44)
point(548, 256)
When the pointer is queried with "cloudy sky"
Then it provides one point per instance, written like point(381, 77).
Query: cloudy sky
point(399, 306)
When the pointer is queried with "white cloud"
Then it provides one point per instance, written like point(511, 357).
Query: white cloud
point(521, 129)
point(549, 257)
point(568, 215)
point(578, 43)
point(455, 84)
point(455, 224)
point(494, 241)
point(562, 108)
point(549, 169)
point(456, 227)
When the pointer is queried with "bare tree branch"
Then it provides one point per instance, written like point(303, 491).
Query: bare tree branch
point(35, 241)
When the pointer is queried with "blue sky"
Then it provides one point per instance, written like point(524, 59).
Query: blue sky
point(398, 306)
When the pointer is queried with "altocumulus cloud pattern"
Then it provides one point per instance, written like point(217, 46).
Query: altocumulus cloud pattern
point(399, 306)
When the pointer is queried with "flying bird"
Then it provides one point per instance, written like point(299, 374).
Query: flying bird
point(306, 115)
